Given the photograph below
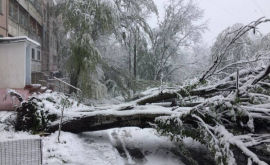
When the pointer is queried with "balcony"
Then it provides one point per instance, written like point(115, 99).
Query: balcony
point(35, 38)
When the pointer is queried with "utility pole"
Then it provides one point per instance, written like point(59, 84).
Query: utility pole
point(135, 58)
point(135, 52)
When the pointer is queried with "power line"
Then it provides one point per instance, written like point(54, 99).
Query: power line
point(224, 9)
point(259, 7)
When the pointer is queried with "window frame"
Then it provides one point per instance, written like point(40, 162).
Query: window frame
point(38, 55)
point(54, 59)
point(1, 6)
point(33, 54)
point(23, 18)
point(13, 10)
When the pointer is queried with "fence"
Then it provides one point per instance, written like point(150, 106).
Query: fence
point(21, 152)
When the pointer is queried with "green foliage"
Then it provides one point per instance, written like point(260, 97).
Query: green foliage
point(193, 124)
point(177, 132)
point(31, 118)
point(34, 115)
point(88, 17)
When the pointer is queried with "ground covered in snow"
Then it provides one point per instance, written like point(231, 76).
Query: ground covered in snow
point(119, 146)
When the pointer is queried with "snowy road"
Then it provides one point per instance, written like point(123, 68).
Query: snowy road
point(118, 146)
point(111, 147)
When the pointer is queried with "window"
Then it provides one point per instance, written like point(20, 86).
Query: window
point(54, 59)
point(33, 25)
point(0, 6)
point(39, 30)
point(44, 15)
point(48, 61)
point(23, 18)
point(37, 4)
point(13, 10)
point(55, 43)
point(38, 55)
point(33, 54)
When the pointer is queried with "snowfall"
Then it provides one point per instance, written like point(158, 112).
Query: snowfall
point(117, 146)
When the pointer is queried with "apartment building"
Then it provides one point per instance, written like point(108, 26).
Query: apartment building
point(3, 18)
point(34, 19)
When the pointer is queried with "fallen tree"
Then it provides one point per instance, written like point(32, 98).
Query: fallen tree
point(232, 120)
point(228, 84)
point(233, 123)
point(43, 113)
point(109, 120)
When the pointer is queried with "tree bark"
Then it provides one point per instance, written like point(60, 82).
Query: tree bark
point(74, 79)
point(135, 59)
point(107, 121)
point(263, 75)
point(228, 86)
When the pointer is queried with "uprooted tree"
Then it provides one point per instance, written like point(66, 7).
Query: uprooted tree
point(232, 119)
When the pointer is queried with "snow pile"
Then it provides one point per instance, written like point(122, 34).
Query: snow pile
point(73, 150)
point(111, 147)
point(53, 102)
point(39, 111)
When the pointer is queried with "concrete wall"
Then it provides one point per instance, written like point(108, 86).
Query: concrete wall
point(12, 65)
point(15, 29)
point(35, 13)
point(3, 19)
point(24, 4)
point(36, 66)
point(6, 105)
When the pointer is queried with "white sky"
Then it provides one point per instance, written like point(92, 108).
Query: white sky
point(224, 13)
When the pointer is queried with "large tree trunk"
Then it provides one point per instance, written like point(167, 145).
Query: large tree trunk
point(74, 79)
point(228, 86)
point(135, 60)
point(107, 121)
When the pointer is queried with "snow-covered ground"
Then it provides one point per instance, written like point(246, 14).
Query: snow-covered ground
point(110, 147)
point(119, 146)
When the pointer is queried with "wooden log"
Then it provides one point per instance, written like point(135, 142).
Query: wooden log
point(107, 121)
point(228, 86)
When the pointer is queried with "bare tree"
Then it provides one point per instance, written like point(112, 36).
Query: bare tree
point(229, 39)
point(177, 30)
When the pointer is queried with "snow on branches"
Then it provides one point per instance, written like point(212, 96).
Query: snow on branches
point(235, 114)
point(232, 42)
point(15, 97)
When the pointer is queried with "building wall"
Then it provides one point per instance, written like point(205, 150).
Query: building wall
point(3, 18)
point(24, 4)
point(32, 29)
point(36, 60)
point(37, 11)
point(53, 41)
point(12, 65)
point(15, 29)
point(45, 38)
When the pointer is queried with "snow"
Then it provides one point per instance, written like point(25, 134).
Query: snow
point(114, 110)
point(104, 148)
point(75, 150)
point(119, 146)
point(43, 88)
point(4, 115)
point(57, 98)
point(150, 91)
point(19, 38)
point(227, 139)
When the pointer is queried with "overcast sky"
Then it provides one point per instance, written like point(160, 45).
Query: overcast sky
point(224, 13)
